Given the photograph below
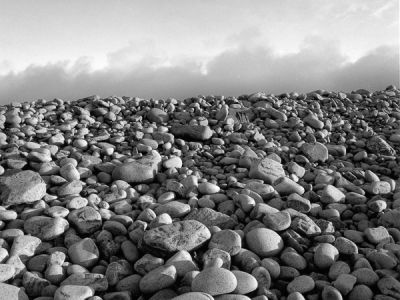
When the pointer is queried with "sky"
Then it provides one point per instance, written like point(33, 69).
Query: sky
point(179, 48)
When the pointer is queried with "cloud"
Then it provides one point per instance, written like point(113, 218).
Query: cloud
point(246, 68)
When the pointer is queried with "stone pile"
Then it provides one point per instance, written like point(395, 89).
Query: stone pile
point(263, 197)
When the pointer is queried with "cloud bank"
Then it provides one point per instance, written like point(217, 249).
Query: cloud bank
point(243, 68)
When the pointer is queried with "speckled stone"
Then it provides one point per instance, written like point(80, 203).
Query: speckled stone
point(17, 187)
point(84, 253)
point(11, 292)
point(266, 169)
point(325, 255)
point(183, 235)
point(73, 292)
point(214, 281)
point(264, 242)
point(46, 228)
point(246, 283)
point(158, 279)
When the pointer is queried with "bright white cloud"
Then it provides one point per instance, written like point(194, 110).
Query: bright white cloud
point(179, 48)
point(319, 64)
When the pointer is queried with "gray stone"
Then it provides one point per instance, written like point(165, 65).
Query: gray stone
point(46, 228)
point(192, 132)
point(210, 217)
point(315, 152)
point(142, 170)
point(183, 235)
point(11, 292)
point(17, 187)
point(266, 169)
point(86, 220)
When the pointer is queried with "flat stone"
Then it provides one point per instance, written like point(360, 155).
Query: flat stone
point(46, 228)
point(192, 132)
point(207, 188)
point(194, 296)
point(266, 169)
point(183, 263)
point(11, 292)
point(264, 242)
point(210, 217)
point(325, 255)
point(142, 170)
point(391, 218)
point(157, 279)
point(117, 270)
point(175, 209)
point(246, 283)
point(84, 253)
point(18, 187)
point(331, 194)
point(227, 240)
point(70, 188)
point(214, 281)
point(389, 286)
point(315, 152)
point(298, 203)
point(86, 220)
point(157, 115)
point(25, 246)
point(377, 235)
point(183, 235)
point(98, 282)
point(6, 272)
point(34, 284)
point(378, 145)
point(73, 292)
point(277, 221)
point(302, 284)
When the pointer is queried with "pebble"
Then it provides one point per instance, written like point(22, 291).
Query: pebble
point(76, 292)
point(207, 188)
point(158, 279)
point(377, 235)
point(46, 228)
point(215, 281)
point(325, 255)
point(84, 253)
point(302, 284)
point(194, 296)
point(277, 221)
point(264, 242)
point(184, 235)
point(227, 240)
point(142, 170)
point(86, 220)
point(21, 187)
point(246, 283)
point(288, 196)
point(266, 169)
point(345, 283)
point(6, 272)
point(11, 292)
point(210, 217)
point(315, 152)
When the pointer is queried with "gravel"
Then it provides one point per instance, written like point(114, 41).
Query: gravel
point(284, 197)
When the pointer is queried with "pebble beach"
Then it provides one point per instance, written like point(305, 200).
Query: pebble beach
point(259, 196)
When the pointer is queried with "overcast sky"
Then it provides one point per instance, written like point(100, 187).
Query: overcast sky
point(180, 48)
